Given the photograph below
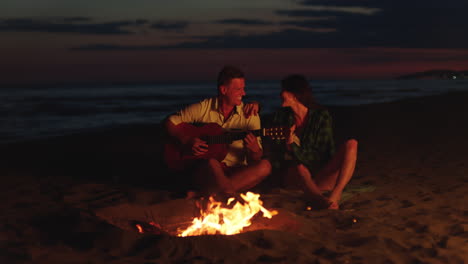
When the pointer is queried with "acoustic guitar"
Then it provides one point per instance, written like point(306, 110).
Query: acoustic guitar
point(177, 157)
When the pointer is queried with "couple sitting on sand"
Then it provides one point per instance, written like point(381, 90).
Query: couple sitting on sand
point(306, 159)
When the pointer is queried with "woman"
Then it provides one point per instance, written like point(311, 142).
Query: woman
point(308, 155)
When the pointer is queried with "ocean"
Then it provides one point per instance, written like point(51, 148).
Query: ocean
point(29, 113)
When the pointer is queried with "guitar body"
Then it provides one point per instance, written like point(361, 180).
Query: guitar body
point(177, 158)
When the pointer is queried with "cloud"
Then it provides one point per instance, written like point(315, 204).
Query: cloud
point(395, 55)
point(247, 22)
point(335, 9)
point(73, 19)
point(71, 25)
point(404, 24)
point(398, 4)
point(345, 24)
point(112, 47)
point(170, 26)
point(278, 40)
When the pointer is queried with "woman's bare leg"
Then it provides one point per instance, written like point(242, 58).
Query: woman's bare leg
point(338, 172)
point(347, 170)
point(249, 176)
point(300, 176)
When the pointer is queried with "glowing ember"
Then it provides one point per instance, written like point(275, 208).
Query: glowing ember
point(150, 227)
point(227, 221)
point(140, 229)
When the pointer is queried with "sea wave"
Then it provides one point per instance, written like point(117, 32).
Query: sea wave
point(30, 112)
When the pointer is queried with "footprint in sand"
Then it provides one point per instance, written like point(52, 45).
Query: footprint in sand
point(356, 240)
point(417, 227)
point(427, 199)
point(270, 259)
point(428, 252)
point(384, 198)
point(326, 253)
point(457, 230)
point(263, 243)
point(399, 253)
point(443, 242)
point(406, 204)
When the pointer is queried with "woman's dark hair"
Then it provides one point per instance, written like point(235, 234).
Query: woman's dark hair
point(299, 86)
point(228, 73)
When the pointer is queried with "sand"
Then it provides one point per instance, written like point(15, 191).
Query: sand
point(68, 199)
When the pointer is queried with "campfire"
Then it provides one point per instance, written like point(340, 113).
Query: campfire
point(216, 219)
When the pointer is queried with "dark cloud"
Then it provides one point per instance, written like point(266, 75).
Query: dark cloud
point(413, 24)
point(111, 47)
point(284, 39)
point(327, 12)
point(345, 3)
point(168, 26)
point(74, 19)
point(247, 22)
point(382, 55)
point(289, 38)
point(398, 4)
point(307, 14)
point(351, 24)
point(72, 25)
point(360, 23)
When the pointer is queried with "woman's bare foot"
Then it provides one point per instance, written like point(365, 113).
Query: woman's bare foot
point(319, 202)
point(334, 198)
point(334, 205)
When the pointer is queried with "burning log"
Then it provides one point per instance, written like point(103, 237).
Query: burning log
point(144, 227)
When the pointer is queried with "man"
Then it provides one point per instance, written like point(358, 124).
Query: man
point(243, 166)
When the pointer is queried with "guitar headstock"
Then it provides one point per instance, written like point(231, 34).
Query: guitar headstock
point(280, 133)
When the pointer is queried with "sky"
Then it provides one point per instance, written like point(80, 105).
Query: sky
point(88, 41)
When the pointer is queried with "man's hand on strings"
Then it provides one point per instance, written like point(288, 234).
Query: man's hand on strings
point(251, 143)
point(198, 146)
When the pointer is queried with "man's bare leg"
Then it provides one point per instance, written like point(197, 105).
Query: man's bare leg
point(249, 176)
point(212, 177)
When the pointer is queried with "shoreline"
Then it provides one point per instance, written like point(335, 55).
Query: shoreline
point(143, 125)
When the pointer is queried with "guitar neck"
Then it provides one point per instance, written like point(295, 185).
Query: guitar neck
point(231, 136)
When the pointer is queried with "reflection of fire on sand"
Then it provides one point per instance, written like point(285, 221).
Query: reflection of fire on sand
point(180, 217)
point(184, 217)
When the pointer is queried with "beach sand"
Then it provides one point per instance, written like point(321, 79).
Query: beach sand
point(67, 199)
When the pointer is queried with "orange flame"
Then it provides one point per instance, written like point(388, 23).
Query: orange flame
point(227, 221)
